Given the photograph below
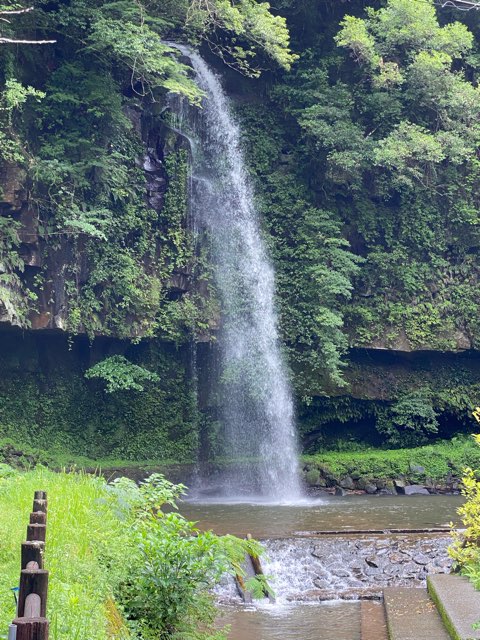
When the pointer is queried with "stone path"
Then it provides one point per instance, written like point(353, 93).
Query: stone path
point(412, 615)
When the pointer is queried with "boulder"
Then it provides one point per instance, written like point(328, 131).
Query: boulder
point(416, 489)
point(399, 485)
point(340, 492)
point(347, 483)
point(371, 488)
point(416, 468)
point(312, 477)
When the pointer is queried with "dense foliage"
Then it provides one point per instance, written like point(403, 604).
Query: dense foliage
point(120, 567)
point(360, 125)
point(465, 549)
point(75, 134)
point(57, 415)
point(119, 374)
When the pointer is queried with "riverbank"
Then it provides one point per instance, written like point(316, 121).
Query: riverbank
point(437, 467)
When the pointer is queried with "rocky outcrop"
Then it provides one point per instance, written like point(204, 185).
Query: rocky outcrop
point(37, 295)
point(320, 479)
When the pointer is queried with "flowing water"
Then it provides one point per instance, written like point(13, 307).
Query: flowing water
point(340, 547)
point(257, 407)
point(327, 621)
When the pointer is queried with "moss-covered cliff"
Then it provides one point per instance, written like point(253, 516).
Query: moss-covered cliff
point(364, 151)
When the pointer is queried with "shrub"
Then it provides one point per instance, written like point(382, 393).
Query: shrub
point(120, 567)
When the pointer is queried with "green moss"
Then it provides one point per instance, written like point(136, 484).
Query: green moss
point(47, 405)
point(441, 609)
point(439, 460)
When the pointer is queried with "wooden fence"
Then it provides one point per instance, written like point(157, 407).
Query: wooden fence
point(31, 622)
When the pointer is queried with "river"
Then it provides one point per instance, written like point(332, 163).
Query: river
point(325, 514)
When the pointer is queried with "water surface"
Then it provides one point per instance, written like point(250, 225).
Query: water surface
point(326, 621)
point(327, 514)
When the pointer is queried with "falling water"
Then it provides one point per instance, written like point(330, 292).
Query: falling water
point(256, 401)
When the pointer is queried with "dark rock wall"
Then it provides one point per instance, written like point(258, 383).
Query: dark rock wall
point(46, 404)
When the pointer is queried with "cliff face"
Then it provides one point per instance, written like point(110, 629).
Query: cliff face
point(46, 262)
point(376, 251)
point(395, 390)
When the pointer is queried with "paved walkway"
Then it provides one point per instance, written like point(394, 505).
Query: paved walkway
point(412, 615)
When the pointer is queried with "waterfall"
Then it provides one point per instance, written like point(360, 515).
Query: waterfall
point(255, 396)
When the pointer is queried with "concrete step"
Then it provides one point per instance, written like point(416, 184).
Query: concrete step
point(373, 621)
point(412, 615)
point(458, 604)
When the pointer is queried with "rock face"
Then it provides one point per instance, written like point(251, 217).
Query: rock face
point(53, 264)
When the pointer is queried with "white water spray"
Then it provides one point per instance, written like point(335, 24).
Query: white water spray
point(255, 396)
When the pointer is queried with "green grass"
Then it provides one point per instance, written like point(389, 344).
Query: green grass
point(57, 459)
point(84, 535)
point(438, 459)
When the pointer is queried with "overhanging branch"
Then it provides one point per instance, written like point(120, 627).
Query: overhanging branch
point(13, 41)
point(15, 12)
point(461, 5)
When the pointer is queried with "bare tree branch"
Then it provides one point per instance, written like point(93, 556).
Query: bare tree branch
point(11, 12)
point(13, 41)
point(461, 5)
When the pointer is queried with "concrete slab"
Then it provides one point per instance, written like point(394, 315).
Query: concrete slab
point(373, 621)
point(458, 603)
point(412, 615)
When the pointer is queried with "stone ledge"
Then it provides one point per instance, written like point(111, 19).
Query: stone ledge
point(411, 615)
point(458, 603)
point(373, 622)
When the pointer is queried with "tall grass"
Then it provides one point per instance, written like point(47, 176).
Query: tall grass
point(84, 550)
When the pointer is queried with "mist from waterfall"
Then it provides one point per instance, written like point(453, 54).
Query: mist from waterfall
point(255, 396)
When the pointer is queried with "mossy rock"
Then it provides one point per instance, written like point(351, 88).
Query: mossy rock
point(312, 477)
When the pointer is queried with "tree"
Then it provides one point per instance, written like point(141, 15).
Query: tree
point(391, 133)
point(247, 21)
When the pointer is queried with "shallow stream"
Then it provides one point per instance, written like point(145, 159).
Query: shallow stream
point(326, 621)
point(320, 549)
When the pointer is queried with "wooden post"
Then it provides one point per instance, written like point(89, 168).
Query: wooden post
point(32, 552)
point(257, 567)
point(31, 623)
point(33, 606)
point(38, 517)
point(33, 581)
point(40, 505)
point(36, 532)
point(31, 628)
